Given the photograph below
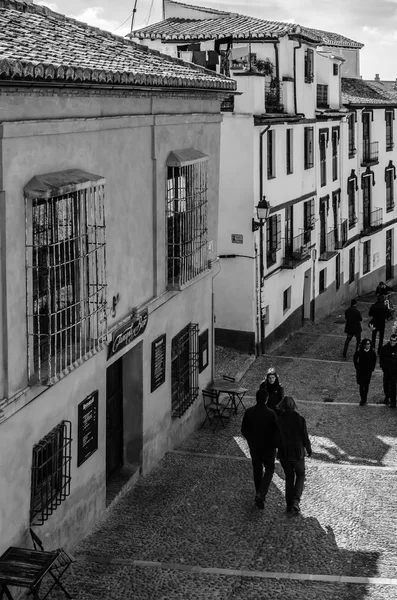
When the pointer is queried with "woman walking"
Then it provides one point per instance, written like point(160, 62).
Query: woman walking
point(294, 441)
point(273, 388)
point(364, 361)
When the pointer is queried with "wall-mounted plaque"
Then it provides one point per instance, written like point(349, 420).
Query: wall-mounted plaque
point(87, 430)
point(158, 362)
point(237, 238)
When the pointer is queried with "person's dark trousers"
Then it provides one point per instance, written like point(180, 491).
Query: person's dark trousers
point(364, 387)
point(381, 332)
point(294, 480)
point(263, 469)
point(390, 386)
point(349, 337)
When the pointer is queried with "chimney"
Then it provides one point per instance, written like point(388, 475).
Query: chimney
point(377, 78)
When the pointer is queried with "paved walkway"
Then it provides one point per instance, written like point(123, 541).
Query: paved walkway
point(190, 529)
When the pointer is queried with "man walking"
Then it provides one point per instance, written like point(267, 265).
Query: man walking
point(380, 314)
point(388, 364)
point(353, 325)
point(259, 427)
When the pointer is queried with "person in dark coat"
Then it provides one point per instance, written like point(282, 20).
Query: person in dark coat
point(388, 364)
point(353, 325)
point(260, 429)
point(380, 314)
point(383, 289)
point(293, 445)
point(274, 390)
point(364, 361)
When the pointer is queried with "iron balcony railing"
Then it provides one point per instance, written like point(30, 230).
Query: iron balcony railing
point(370, 153)
point(327, 245)
point(296, 250)
point(372, 220)
point(341, 233)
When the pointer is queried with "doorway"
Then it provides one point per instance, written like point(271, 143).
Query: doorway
point(114, 418)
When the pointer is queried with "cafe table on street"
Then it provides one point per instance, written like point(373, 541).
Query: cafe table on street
point(233, 389)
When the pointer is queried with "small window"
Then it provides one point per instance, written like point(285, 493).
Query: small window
point(335, 144)
point(289, 151)
point(351, 193)
point(51, 461)
point(337, 271)
point(352, 264)
point(323, 156)
point(203, 351)
point(335, 69)
point(308, 147)
point(184, 369)
point(271, 155)
point(322, 281)
point(367, 257)
point(322, 96)
point(287, 299)
point(309, 70)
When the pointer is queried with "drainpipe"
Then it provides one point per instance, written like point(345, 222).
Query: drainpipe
point(261, 237)
point(295, 98)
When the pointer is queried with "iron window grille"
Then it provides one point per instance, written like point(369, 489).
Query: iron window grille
point(352, 135)
point(335, 143)
point(309, 55)
point(273, 239)
point(66, 279)
point(322, 96)
point(51, 466)
point(390, 176)
point(367, 257)
point(184, 369)
point(308, 147)
point(309, 219)
point(352, 187)
point(335, 69)
point(323, 159)
point(389, 118)
point(187, 227)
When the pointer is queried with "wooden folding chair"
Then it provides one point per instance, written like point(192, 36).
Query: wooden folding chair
point(215, 411)
point(62, 563)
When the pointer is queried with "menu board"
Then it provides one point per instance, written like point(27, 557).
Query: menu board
point(87, 434)
point(158, 362)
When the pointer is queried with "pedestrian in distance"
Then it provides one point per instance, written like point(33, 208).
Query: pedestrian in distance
point(388, 364)
point(383, 289)
point(380, 314)
point(260, 429)
point(353, 325)
point(275, 391)
point(364, 361)
point(293, 446)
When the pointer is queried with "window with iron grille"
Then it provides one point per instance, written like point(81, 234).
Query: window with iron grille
point(323, 157)
point(273, 239)
point(337, 271)
point(187, 227)
point(389, 178)
point(352, 264)
point(308, 220)
point(184, 369)
point(351, 192)
point(335, 144)
point(51, 461)
point(322, 96)
point(352, 135)
point(322, 281)
point(289, 151)
point(367, 256)
point(271, 154)
point(308, 147)
point(389, 118)
point(66, 276)
point(309, 70)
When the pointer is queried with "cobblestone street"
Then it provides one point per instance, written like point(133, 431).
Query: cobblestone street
point(190, 529)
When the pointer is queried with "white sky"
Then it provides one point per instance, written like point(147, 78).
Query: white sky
point(371, 22)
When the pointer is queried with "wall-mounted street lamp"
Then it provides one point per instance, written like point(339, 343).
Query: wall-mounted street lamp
point(262, 211)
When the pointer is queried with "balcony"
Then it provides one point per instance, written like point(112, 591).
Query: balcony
point(297, 252)
point(372, 221)
point(341, 235)
point(327, 245)
point(370, 153)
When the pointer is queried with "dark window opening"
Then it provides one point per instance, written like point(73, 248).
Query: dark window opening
point(184, 369)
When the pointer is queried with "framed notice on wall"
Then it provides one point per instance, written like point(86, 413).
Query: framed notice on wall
point(87, 430)
point(158, 362)
point(203, 351)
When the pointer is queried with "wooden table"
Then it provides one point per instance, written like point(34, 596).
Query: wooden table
point(21, 567)
point(233, 389)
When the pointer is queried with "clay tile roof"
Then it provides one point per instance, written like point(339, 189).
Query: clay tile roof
point(37, 43)
point(335, 39)
point(368, 93)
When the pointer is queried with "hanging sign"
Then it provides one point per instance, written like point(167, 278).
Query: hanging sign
point(128, 332)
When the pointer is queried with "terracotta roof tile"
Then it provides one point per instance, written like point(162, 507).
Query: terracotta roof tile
point(358, 91)
point(37, 43)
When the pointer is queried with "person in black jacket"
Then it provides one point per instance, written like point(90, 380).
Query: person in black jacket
point(383, 289)
point(364, 361)
point(273, 388)
point(388, 364)
point(353, 325)
point(294, 441)
point(259, 427)
point(380, 314)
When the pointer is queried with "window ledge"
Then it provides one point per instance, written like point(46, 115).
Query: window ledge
point(158, 301)
point(9, 406)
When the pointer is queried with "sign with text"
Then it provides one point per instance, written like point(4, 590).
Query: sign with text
point(158, 362)
point(87, 427)
point(237, 238)
point(128, 332)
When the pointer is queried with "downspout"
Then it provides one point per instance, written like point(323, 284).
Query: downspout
point(3, 281)
point(295, 98)
point(261, 237)
point(276, 61)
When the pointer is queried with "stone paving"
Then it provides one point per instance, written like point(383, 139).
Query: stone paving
point(190, 529)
